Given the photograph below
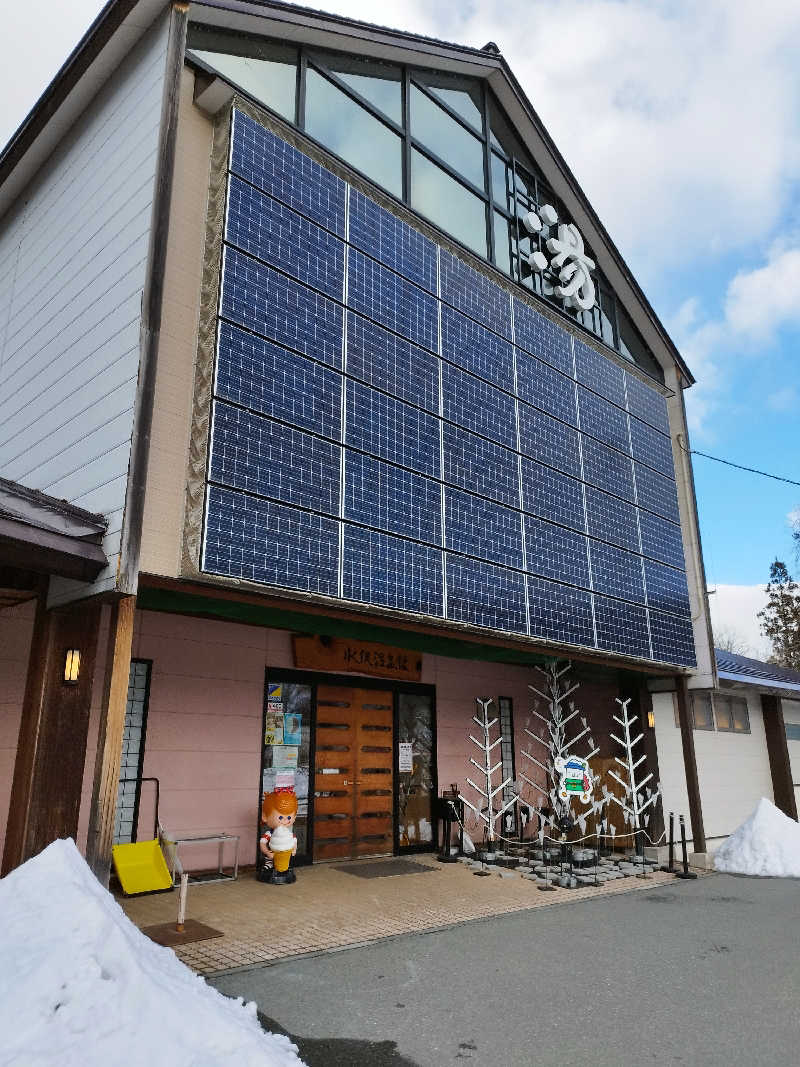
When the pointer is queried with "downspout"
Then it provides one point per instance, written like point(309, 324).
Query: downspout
point(152, 303)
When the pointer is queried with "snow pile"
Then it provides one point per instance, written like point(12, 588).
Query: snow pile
point(80, 985)
point(766, 844)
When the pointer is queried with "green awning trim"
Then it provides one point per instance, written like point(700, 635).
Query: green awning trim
point(178, 603)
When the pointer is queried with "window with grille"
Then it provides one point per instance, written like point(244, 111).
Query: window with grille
point(133, 738)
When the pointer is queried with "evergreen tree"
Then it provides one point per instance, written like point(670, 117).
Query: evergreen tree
point(780, 619)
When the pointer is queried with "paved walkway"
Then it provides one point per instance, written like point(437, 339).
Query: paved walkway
point(328, 909)
point(688, 973)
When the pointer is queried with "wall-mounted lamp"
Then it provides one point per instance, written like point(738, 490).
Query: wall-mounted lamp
point(651, 719)
point(72, 666)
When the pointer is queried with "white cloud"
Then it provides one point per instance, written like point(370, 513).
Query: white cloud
point(761, 301)
point(734, 608)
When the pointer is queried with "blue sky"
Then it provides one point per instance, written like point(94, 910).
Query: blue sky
point(682, 122)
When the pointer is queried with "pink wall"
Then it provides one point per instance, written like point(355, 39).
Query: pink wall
point(16, 627)
point(204, 721)
point(204, 724)
point(205, 716)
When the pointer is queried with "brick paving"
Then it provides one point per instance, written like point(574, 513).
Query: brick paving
point(327, 909)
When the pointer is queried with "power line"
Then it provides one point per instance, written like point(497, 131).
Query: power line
point(728, 463)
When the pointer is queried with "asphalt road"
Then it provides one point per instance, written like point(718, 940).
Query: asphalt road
point(696, 973)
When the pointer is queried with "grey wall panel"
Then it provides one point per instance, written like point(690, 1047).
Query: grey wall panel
point(72, 271)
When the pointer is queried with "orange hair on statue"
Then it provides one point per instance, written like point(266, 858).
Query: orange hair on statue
point(283, 800)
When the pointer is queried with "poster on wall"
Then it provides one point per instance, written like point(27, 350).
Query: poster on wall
point(284, 757)
point(273, 728)
point(292, 728)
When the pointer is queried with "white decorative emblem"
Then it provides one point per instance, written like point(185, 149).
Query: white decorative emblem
point(569, 262)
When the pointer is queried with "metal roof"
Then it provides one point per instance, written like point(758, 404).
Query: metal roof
point(743, 669)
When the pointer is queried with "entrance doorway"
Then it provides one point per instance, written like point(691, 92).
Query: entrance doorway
point(353, 773)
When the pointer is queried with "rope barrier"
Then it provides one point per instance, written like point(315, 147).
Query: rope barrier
point(589, 837)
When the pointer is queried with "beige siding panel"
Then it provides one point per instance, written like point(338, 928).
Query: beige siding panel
point(169, 445)
point(73, 259)
point(733, 769)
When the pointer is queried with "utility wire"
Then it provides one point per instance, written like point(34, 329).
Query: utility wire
point(728, 463)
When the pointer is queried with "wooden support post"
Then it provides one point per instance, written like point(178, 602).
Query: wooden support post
point(51, 750)
point(778, 753)
point(690, 764)
point(109, 738)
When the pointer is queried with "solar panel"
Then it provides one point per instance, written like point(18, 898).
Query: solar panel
point(385, 297)
point(280, 309)
point(611, 519)
point(552, 495)
point(600, 374)
point(393, 499)
point(481, 528)
point(485, 595)
point(616, 571)
point(673, 639)
point(391, 429)
point(607, 468)
point(478, 406)
point(392, 572)
point(666, 588)
point(472, 293)
point(275, 381)
point(553, 552)
point(275, 166)
point(545, 388)
point(541, 337)
point(621, 627)
point(603, 420)
point(486, 468)
point(646, 404)
point(652, 447)
point(261, 456)
point(656, 493)
point(392, 242)
point(477, 349)
point(438, 448)
point(391, 363)
point(549, 440)
point(560, 613)
point(275, 234)
point(267, 542)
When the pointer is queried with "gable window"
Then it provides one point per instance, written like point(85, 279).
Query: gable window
point(435, 140)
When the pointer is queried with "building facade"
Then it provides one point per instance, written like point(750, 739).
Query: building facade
point(377, 415)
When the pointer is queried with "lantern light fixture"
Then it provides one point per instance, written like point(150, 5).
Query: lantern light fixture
point(72, 666)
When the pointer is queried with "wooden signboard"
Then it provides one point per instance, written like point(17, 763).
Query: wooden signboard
point(342, 656)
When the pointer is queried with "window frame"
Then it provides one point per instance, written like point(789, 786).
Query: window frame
point(713, 696)
point(491, 142)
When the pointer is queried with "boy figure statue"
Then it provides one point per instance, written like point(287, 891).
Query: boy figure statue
point(278, 844)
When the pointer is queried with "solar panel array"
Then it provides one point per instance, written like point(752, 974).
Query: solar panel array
point(391, 427)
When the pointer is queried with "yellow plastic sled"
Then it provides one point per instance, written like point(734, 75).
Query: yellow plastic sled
point(140, 866)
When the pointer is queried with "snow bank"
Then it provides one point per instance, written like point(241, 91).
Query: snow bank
point(80, 985)
point(766, 844)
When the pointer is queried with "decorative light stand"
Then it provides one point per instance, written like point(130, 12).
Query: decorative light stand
point(638, 796)
point(567, 775)
point(487, 813)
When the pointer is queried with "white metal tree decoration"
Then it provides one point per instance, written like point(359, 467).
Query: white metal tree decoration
point(559, 741)
point(488, 813)
point(638, 795)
